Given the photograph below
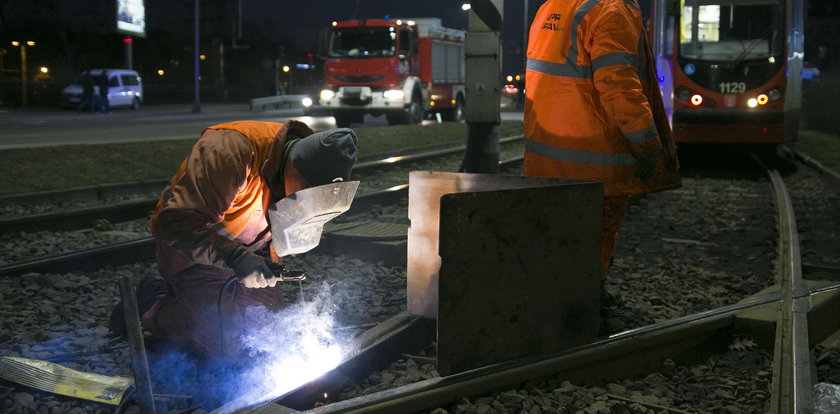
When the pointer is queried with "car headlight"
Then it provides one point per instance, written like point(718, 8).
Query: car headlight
point(327, 94)
point(307, 102)
point(394, 95)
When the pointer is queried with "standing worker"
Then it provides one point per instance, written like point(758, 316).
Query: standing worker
point(104, 104)
point(211, 224)
point(593, 108)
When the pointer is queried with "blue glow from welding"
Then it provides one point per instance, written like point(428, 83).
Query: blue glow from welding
point(293, 347)
point(284, 350)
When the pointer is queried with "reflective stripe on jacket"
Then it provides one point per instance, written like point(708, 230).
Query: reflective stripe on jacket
point(593, 106)
point(217, 201)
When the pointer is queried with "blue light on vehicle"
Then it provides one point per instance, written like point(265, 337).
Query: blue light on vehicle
point(690, 69)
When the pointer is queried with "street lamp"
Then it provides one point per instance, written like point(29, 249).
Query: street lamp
point(23, 85)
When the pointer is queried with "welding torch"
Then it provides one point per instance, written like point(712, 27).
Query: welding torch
point(284, 276)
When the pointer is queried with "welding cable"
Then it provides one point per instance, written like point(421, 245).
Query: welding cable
point(225, 287)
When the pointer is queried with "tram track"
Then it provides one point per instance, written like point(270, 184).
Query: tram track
point(791, 379)
point(103, 223)
point(79, 207)
point(728, 330)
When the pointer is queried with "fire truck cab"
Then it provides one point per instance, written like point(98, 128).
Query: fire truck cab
point(403, 68)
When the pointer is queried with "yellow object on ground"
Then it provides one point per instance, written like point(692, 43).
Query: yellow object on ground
point(57, 379)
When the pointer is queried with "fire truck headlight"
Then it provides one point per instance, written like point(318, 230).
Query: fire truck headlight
point(774, 94)
point(306, 102)
point(327, 94)
point(752, 102)
point(394, 95)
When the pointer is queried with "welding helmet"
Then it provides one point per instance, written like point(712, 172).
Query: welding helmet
point(324, 156)
point(297, 221)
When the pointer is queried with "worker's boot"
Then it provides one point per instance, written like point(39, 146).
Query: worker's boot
point(148, 291)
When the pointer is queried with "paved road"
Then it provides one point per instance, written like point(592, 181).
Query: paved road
point(25, 127)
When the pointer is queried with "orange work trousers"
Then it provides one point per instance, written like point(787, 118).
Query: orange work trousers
point(614, 210)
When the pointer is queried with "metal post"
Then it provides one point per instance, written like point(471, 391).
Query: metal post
point(2, 70)
point(129, 52)
point(196, 52)
point(483, 74)
point(222, 82)
point(24, 99)
point(139, 363)
point(526, 25)
point(277, 70)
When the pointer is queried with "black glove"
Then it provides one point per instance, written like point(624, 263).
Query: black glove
point(647, 166)
point(252, 270)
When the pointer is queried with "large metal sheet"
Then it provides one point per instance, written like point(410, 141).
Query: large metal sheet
point(519, 274)
point(508, 265)
point(425, 191)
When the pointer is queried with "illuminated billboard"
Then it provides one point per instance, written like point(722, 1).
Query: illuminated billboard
point(131, 17)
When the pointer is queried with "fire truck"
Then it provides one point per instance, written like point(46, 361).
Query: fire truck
point(403, 68)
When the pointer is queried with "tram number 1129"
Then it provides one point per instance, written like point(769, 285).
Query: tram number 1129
point(733, 87)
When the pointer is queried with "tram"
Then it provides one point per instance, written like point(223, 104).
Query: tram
point(730, 70)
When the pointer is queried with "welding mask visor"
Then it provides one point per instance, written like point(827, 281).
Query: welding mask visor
point(297, 221)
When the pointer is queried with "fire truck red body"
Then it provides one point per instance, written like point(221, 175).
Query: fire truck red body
point(405, 69)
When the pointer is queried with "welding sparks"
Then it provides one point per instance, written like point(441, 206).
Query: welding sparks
point(294, 346)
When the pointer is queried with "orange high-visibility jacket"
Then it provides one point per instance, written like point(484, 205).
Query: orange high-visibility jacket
point(593, 106)
point(218, 200)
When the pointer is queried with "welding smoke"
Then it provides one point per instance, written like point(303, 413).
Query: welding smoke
point(289, 348)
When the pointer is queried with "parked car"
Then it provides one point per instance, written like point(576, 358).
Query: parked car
point(125, 88)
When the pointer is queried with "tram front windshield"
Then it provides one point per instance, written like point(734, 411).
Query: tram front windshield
point(731, 31)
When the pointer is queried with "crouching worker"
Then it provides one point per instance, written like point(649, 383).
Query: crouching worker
point(211, 224)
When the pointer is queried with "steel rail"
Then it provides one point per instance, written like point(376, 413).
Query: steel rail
point(832, 175)
point(623, 352)
point(138, 208)
point(791, 387)
point(426, 155)
point(78, 218)
point(92, 192)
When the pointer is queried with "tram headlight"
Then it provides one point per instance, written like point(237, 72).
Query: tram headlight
point(752, 102)
point(774, 94)
point(762, 99)
point(696, 100)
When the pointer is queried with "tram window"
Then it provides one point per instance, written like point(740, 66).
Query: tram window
point(729, 31)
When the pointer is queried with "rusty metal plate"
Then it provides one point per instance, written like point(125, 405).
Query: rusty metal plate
point(517, 270)
point(425, 191)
